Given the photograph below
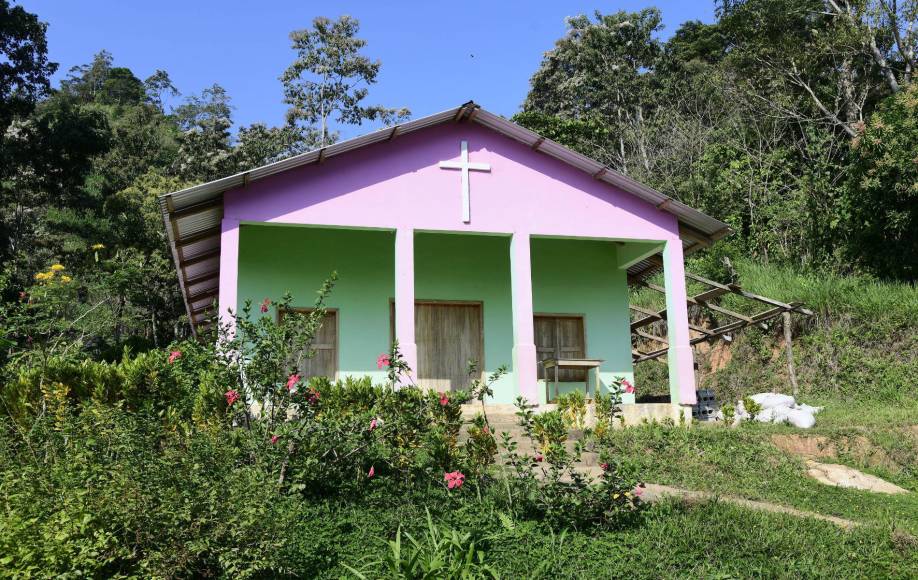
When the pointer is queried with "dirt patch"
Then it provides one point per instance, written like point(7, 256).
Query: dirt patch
point(809, 447)
point(655, 492)
point(717, 355)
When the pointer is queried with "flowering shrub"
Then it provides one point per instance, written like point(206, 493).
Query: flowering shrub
point(550, 484)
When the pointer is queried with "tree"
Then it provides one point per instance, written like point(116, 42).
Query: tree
point(157, 85)
point(205, 151)
point(331, 76)
point(86, 81)
point(259, 144)
point(600, 72)
point(24, 67)
point(882, 194)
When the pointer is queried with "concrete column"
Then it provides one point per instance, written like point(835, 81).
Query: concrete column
point(404, 296)
point(229, 274)
point(524, 351)
point(680, 357)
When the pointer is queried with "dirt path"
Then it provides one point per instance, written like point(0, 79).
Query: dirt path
point(656, 492)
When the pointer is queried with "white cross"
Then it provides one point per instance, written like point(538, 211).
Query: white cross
point(465, 166)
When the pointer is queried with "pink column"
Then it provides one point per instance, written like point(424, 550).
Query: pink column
point(680, 357)
point(229, 272)
point(524, 351)
point(404, 296)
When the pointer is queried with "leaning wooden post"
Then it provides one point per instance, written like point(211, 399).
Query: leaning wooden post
point(790, 352)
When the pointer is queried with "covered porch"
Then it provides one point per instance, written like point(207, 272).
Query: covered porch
point(499, 299)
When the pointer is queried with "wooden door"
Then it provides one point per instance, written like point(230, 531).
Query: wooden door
point(324, 362)
point(560, 337)
point(448, 335)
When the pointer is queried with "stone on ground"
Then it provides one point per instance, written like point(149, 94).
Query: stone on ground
point(844, 476)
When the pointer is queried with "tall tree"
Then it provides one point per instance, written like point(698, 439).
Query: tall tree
point(330, 76)
point(205, 150)
point(599, 72)
point(24, 67)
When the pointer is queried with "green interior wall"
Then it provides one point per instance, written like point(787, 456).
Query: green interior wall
point(472, 268)
point(583, 277)
point(277, 259)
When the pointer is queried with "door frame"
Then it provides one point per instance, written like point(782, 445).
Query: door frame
point(481, 320)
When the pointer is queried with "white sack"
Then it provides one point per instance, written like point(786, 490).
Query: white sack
point(771, 400)
point(809, 409)
point(800, 418)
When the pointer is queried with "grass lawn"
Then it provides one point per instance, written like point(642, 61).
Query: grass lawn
point(744, 462)
point(712, 539)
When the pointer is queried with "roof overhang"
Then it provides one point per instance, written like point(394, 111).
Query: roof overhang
point(193, 215)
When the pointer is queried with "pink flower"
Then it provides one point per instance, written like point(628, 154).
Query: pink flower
point(454, 479)
point(373, 424)
point(604, 466)
point(274, 439)
point(312, 395)
point(539, 458)
point(231, 396)
point(23, 296)
point(174, 356)
point(382, 361)
point(444, 399)
point(264, 305)
point(372, 471)
point(629, 388)
point(292, 380)
point(638, 491)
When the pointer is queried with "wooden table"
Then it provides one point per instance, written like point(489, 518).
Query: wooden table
point(588, 364)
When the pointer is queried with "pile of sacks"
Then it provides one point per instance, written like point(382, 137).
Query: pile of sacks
point(777, 408)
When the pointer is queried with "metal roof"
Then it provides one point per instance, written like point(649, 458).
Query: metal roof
point(193, 215)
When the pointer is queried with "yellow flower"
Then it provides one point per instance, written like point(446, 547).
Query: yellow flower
point(66, 279)
point(57, 268)
point(42, 276)
point(98, 246)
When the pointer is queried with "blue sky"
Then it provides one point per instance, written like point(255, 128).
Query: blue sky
point(435, 55)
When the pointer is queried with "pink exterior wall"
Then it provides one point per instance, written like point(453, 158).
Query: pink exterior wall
point(399, 185)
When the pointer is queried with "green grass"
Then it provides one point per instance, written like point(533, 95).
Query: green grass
point(744, 462)
point(667, 540)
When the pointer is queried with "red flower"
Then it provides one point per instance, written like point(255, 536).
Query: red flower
point(312, 396)
point(539, 458)
point(454, 479)
point(274, 439)
point(444, 399)
point(292, 380)
point(174, 356)
point(629, 388)
point(231, 396)
point(372, 471)
point(264, 305)
point(382, 361)
point(604, 466)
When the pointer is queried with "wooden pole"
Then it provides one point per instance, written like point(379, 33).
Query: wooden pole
point(790, 352)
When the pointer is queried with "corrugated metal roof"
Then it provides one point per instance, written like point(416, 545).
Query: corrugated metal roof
point(193, 215)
